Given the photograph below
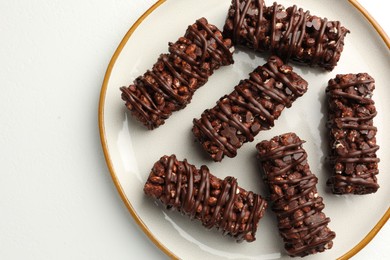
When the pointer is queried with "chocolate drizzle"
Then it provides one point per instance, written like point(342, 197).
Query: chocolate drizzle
point(200, 195)
point(289, 33)
point(170, 85)
point(253, 106)
point(294, 196)
point(352, 133)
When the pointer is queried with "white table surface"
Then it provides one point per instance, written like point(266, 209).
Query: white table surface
point(57, 200)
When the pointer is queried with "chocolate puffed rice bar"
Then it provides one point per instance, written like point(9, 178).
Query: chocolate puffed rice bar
point(174, 78)
point(293, 195)
point(200, 195)
point(351, 111)
point(290, 33)
point(253, 106)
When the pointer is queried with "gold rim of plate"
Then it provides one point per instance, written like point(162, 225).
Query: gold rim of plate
point(114, 177)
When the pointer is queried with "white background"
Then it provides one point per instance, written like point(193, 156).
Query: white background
point(57, 200)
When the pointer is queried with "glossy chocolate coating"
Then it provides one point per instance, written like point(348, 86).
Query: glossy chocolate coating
point(293, 195)
point(199, 194)
point(174, 78)
point(253, 106)
point(290, 33)
point(352, 134)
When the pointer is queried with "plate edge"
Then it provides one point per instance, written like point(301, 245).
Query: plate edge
point(372, 21)
point(102, 131)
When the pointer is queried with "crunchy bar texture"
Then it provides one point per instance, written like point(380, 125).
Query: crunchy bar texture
point(174, 78)
point(200, 195)
point(352, 134)
point(290, 33)
point(253, 106)
point(293, 194)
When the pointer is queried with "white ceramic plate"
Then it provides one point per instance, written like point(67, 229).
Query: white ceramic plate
point(131, 150)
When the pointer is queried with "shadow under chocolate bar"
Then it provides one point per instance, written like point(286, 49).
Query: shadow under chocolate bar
point(171, 83)
point(197, 193)
point(293, 195)
point(353, 147)
point(253, 106)
point(290, 33)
